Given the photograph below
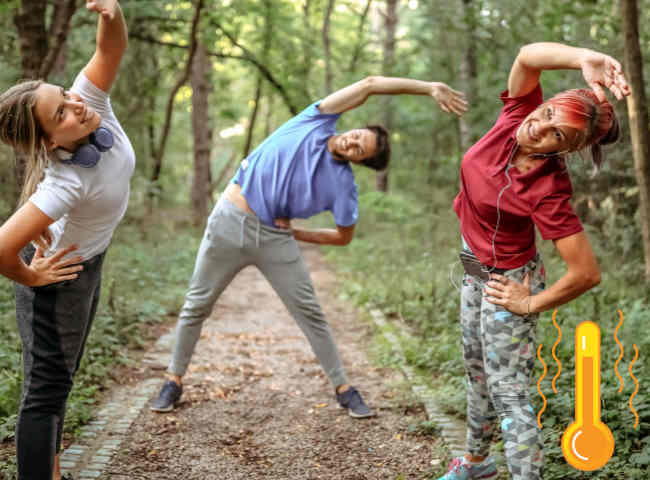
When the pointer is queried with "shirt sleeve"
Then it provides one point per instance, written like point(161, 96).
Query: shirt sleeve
point(517, 108)
point(95, 97)
point(345, 209)
point(313, 111)
point(554, 215)
point(57, 194)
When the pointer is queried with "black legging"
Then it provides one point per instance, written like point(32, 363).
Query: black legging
point(54, 322)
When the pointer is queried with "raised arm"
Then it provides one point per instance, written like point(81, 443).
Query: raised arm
point(356, 94)
point(599, 70)
point(111, 43)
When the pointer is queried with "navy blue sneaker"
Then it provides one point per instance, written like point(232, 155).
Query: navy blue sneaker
point(351, 399)
point(168, 397)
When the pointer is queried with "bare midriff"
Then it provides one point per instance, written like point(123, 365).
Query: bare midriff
point(233, 194)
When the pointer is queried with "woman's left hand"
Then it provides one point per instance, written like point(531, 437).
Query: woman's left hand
point(450, 100)
point(600, 70)
point(106, 8)
point(510, 294)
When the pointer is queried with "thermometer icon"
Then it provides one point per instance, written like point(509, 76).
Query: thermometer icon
point(587, 443)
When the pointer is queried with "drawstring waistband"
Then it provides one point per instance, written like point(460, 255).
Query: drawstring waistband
point(241, 233)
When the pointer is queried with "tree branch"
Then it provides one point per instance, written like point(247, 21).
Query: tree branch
point(261, 67)
point(61, 15)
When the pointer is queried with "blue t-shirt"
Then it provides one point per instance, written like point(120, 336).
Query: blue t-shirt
point(293, 175)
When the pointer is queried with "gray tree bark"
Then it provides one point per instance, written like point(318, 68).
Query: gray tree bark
point(326, 46)
point(468, 71)
point(202, 129)
point(160, 150)
point(637, 107)
point(388, 64)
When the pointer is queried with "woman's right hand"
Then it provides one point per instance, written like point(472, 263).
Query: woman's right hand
point(103, 7)
point(52, 269)
point(600, 70)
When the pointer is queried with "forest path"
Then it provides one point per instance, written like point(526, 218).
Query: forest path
point(257, 405)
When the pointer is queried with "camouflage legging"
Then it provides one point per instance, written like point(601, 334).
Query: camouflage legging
point(499, 354)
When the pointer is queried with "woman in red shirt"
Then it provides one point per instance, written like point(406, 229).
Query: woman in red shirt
point(513, 180)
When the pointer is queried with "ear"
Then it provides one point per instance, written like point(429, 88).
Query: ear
point(50, 145)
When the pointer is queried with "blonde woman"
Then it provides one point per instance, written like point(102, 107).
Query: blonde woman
point(79, 164)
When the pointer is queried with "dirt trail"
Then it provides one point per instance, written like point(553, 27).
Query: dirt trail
point(258, 406)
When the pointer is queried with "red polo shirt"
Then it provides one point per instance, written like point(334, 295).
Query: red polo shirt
point(539, 197)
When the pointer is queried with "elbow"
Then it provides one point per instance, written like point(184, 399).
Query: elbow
point(590, 279)
point(344, 240)
point(369, 84)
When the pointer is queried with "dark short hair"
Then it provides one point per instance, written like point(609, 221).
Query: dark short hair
point(379, 161)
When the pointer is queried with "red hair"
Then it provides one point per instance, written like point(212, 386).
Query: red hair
point(595, 120)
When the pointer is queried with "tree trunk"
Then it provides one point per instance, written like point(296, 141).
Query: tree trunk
point(359, 45)
point(253, 118)
point(61, 16)
point(307, 49)
point(326, 47)
point(637, 107)
point(160, 150)
point(270, 105)
point(202, 131)
point(37, 56)
point(468, 71)
point(268, 29)
point(390, 24)
point(32, 36)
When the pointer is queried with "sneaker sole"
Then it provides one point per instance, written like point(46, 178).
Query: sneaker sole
point(163, 409)
point(489, 475)
point(357, 415)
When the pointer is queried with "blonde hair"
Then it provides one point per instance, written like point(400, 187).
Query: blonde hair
point(20, 129)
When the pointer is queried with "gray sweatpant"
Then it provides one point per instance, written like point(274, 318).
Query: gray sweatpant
point(234, 239)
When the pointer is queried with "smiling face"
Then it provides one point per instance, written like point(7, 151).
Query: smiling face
point(354, 145)
point(64, 117)
point(546, 130)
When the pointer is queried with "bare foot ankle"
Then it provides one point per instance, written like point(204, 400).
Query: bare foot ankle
point(342, 388)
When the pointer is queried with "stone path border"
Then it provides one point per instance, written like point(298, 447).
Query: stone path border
point(453, 431)
point(102, 437)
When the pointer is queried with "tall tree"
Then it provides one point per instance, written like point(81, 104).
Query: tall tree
point(202, 129)
point(356, 52)
point(326, 46)
point(388, 65)
point(268, 30)
point(468, 69)
point(637, 107)
point(40, 47)
point(159, 152)
point(307, 48)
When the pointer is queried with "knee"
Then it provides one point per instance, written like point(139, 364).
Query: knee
point(46, 397)
point(194, 313)
point(310, 312)
point(508, 395)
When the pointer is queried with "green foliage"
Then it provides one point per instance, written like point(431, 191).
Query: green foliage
point(403, 258)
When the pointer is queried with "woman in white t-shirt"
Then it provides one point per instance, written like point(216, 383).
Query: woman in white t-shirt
point(75, 193)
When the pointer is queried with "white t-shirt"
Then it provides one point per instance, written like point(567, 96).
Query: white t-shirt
point(87, 204)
